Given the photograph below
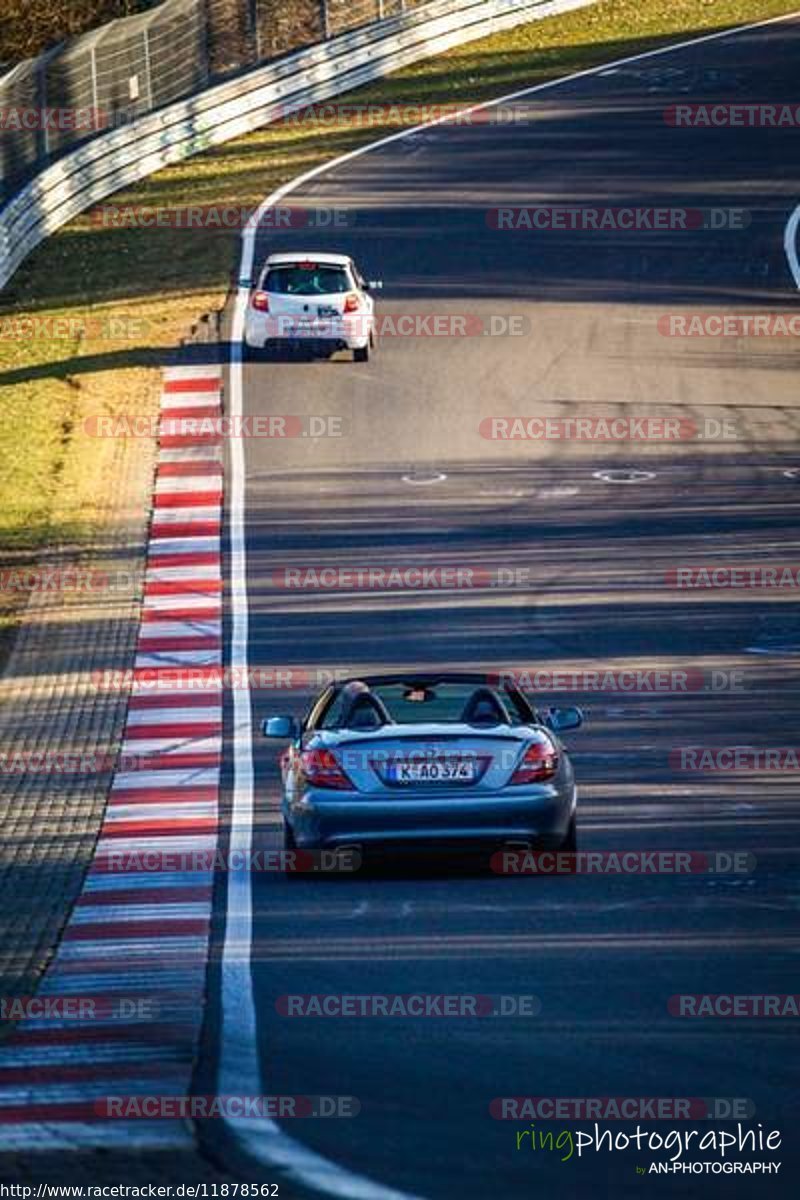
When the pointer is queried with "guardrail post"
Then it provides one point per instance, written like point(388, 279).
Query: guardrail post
point(255, 25)
point(148, 69)
point(40, 86)
point(95, 100)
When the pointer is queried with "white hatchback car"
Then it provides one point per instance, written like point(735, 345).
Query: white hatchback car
point(316, 300)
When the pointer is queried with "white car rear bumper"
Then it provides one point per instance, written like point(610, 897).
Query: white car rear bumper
point(349, 332)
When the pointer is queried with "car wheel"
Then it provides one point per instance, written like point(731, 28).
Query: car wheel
point(361, 353)
point(570, 842)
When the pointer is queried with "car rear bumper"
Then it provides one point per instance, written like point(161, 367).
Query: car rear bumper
point(540, 816)
point(263, 333)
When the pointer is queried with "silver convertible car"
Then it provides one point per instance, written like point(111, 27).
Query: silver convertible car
point(426, 761)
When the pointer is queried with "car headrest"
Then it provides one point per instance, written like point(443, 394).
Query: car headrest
point(364, 714)
point(483, 708)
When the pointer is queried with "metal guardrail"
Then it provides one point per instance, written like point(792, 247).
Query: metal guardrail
point(117, 159)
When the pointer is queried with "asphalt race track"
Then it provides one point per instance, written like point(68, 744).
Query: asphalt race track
point(412, 483)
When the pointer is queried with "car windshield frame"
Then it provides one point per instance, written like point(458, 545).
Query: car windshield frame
point(519, 710)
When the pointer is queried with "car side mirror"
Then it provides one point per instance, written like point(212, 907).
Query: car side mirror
point(561, 719)
point(281, 727)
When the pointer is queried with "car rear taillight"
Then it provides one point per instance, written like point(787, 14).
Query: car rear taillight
point(539, 762)
point(261, 302)
point(321, 769)
point(351, 303)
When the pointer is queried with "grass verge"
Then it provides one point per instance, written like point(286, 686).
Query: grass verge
point(91, 314)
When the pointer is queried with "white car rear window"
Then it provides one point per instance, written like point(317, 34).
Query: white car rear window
point(307, 280)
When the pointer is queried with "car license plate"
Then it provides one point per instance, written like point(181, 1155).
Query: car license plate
point(442, 771)
point(327, 311)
